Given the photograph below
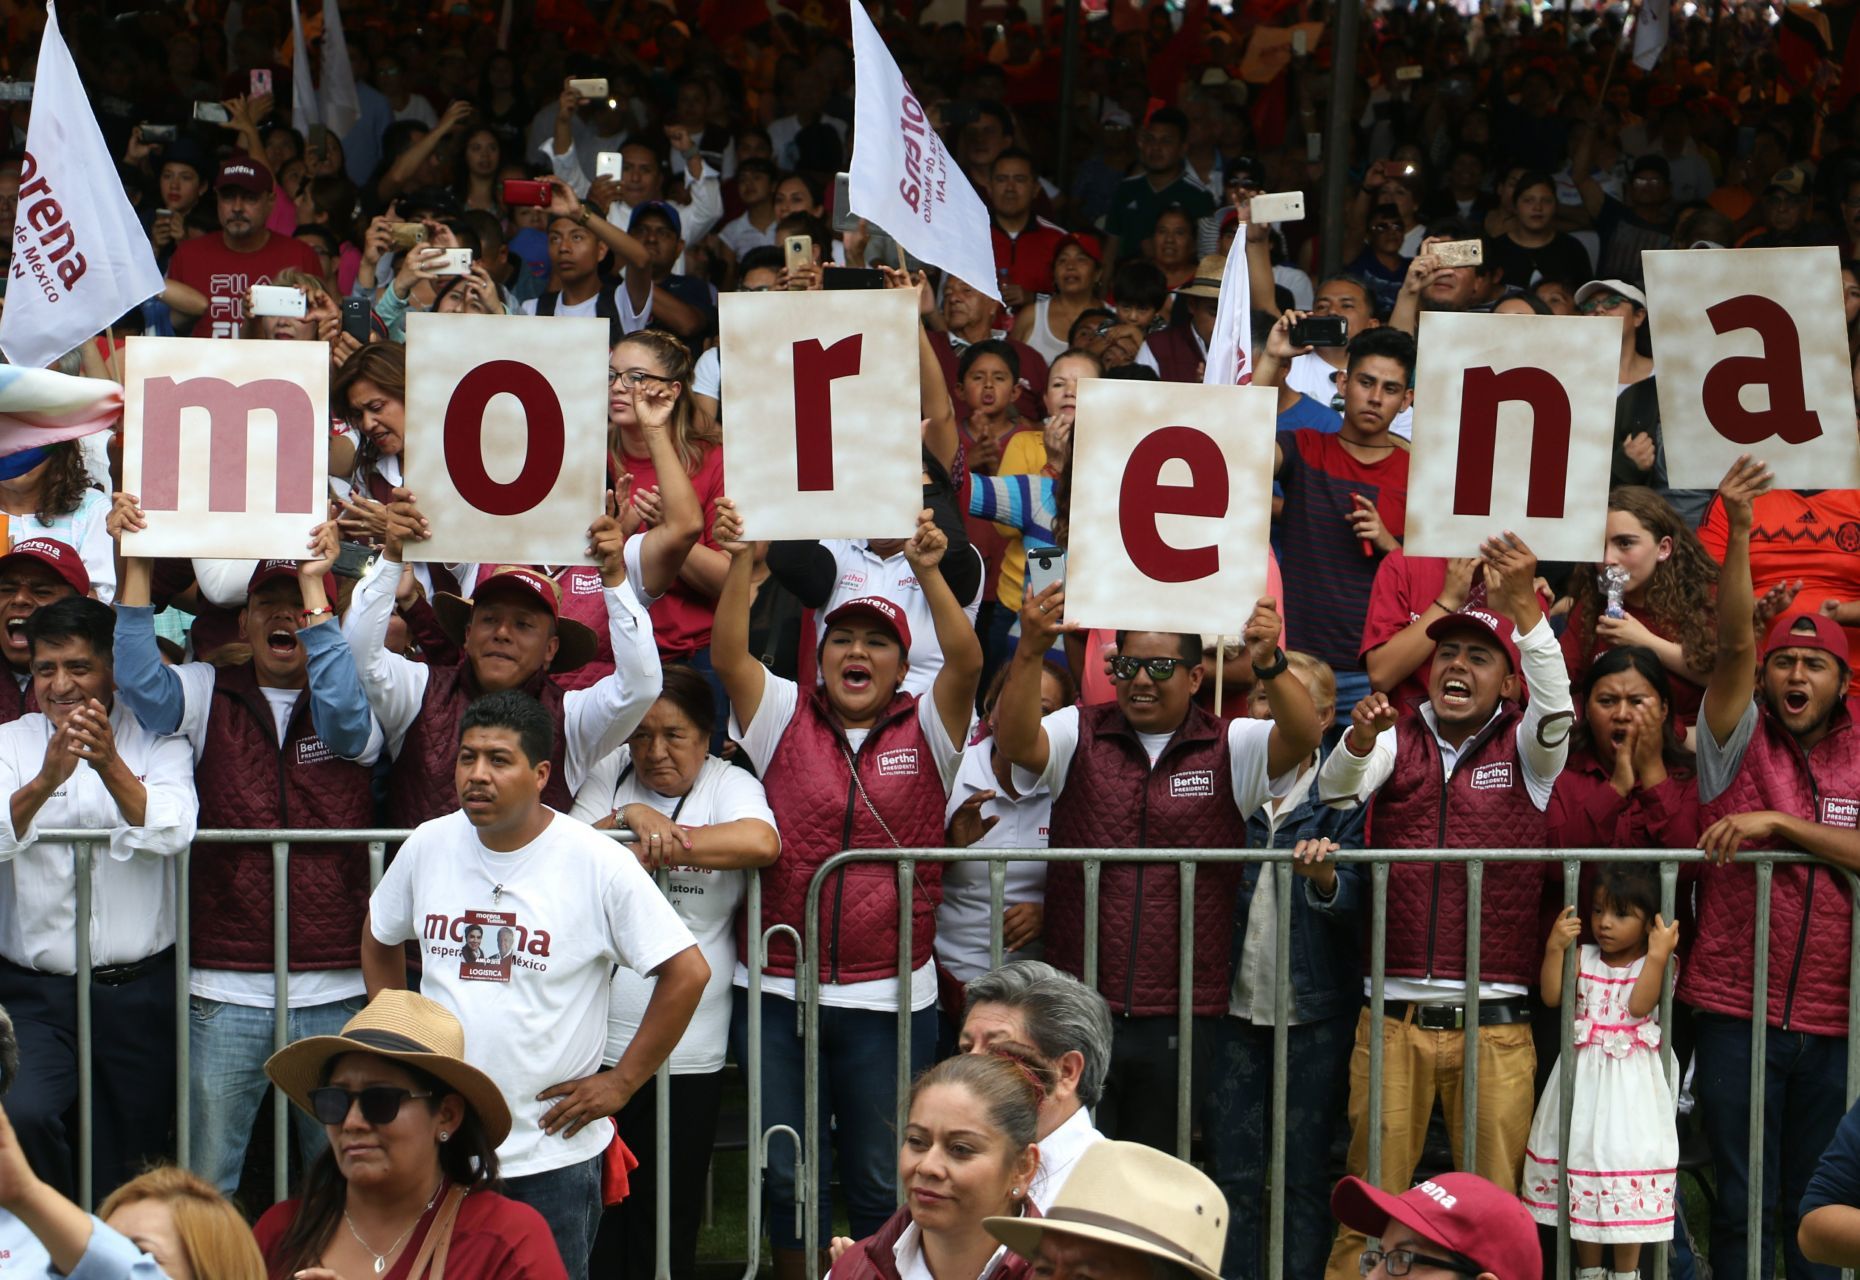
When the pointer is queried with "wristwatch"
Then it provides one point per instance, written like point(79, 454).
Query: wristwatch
point(581, 216)
point(1276, 669)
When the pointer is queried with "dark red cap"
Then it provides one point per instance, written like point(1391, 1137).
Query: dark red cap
point(1087, 244)
point(1821, 633)
point(243, 173)
point(61, 558)
point(1485, 622)
point(1460, 1212)
point(271, 571)
point(879, 608)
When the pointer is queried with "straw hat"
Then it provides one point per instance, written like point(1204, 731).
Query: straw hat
point(1135, 1197)
point(576, 643)
point(402, 1027)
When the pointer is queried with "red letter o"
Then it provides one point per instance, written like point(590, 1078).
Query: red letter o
point(464, 438)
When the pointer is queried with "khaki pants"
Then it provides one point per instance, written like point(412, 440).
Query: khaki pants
point(1419, 1066)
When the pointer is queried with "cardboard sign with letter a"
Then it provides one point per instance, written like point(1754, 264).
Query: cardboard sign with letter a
point(226, 444)
point(1178, 478)
point(822, 435)
point(506, 436)
point(1751, 347)
point(1514, 423)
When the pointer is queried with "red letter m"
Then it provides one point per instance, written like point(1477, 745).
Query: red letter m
point(229, 407)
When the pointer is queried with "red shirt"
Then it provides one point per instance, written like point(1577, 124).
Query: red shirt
point(682, 616)
point(1404, 588)
point(1027, 259)
point(493, 1238)
point(1687, 694)
point(206, 264)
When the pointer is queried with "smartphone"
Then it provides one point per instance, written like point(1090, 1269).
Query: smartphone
point(261, 82)
point(1460, 253)
point(1408, 73)
point(212, 113)
point(277, 300)
point(1300, 45)
point(1318, 331)
point(402, 236)
point(525, 191)
point(1314, 147)
point(798, 252)
point(456, 262)
point(589, 88)
point(844, 219)
point(352, 560)
point(1045, 566)
point(357, 320)
point(1281, 206)
point(852, 278)
point(607, 165)
point(159, 132)
point(15, 91)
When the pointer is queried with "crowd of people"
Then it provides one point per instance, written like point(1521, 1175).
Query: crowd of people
point(743, 708)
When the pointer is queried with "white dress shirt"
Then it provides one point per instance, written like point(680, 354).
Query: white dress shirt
point(596, 720)
point(132, 875)
point(1059, 1151)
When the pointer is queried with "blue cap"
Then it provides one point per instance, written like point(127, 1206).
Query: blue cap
point(663, 207)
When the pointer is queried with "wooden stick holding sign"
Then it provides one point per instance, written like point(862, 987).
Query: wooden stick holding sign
point(226, 445)
point(1535, 393)
point(506, 436)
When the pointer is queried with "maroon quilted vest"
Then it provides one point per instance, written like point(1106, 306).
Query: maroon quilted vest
point(1808, 985)
point(819, 812)
point(15, 701)
point(1115, 799)
point(1484, 805)
point(1178, 359)
point(246, 780)
point(420, 786)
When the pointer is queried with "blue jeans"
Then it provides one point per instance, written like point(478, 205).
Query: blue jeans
point(858, 1122)
point(1239, 1137)
point(1804, 1085)
point(569, 1199)
point(227, 1048)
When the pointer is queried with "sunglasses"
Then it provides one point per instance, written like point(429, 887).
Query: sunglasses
point(1159, 668)
point(380, 1103)
point(1601, 302)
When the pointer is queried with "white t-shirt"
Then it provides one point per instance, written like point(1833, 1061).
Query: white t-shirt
point(780, 700)
point(963, 921)
point(22, 1257)
point(705, 900)
point(861, 571)
point(547, 924)
point(1246, 759)
point(631, 321)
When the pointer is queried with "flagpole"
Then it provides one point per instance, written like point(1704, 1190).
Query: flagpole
point(1220, 672)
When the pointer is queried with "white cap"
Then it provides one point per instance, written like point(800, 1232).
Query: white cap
point(1621, 287)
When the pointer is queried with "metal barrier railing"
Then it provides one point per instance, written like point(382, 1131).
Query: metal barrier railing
point(1280, 864)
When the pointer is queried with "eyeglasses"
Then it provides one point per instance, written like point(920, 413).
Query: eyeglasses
point(380, 1103)
point(1385, 225)
point(1600, 302)
point(1160, 669)
point(633, 377)
point(1400, 1261)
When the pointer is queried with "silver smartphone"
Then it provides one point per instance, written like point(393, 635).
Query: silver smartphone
point(1277, 206)
point(844, 219)
point(1045, 566)
point(1460, 253)
point(277, 300)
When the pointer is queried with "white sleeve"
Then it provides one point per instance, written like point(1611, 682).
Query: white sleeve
point(197, 680)
point(780, 699)
point(634, 551)
point(170, 811)
point(395, 687)
point(224, 581)
point(1062, 743)
point(1547, 678)
point(95, 546)
point(1147, 358)
point(390, 906)
point(594, 798)
point(738, 796)
point(567, 168)
point(947, 754)
point(601, 717)
point(706, 207)
point(1348, 776)
point(1247, 745)
point(14, 774)
point(707, 376)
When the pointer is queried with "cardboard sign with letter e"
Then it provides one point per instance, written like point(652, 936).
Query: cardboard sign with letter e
point(506, 436)
point(1179, 478)
point(1752, 352)
point(822, 435)
point(226, 444)
point(1514, 428)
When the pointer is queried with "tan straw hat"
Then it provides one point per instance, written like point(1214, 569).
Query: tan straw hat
point(1135, 1197)
point(402, 1027)
point(1207, 281)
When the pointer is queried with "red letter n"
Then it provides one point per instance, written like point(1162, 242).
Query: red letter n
point(1547, 468)
point(229, 409)
point(1142, 497)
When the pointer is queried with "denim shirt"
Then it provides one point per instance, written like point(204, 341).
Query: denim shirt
point(1327, 964)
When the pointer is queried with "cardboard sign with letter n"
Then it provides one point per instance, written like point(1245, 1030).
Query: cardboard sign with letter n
point(506, 436)
point(1752, 353)
point(1514, 426)
point(226, 445)
point(822, 435)
point(1178, 478)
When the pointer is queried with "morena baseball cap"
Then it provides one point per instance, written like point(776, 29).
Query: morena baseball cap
point(1488, 624)
point(1460, 1212)
point(575, 642)
point(271, 571)
point(242, 173)
point(1798, 630)
point(60, 557)
point(879, 609)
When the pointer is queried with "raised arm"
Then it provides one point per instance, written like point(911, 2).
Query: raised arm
point(742, 675)
point(934, 406)
point(1734, 668)
point(338, 707)
point(1295, 728)
point(1582, 169)
point(150, 687)
point(408, 163)
point(674, 536)
point(1019, 735)
point(626, 250)
point(956, 683)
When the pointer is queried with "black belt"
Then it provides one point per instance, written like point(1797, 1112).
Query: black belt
point(1452, 1017)
point(119, 975)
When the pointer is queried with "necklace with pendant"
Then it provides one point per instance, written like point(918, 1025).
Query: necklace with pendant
point(381, 1259)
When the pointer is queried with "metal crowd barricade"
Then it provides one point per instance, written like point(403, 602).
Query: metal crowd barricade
point(1279, 863)
point(85, 843)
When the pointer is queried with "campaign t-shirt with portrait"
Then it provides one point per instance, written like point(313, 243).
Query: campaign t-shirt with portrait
point(521, 948)
point(206, 264)
point(705, 899)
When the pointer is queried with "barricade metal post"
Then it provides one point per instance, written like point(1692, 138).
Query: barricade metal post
point(1284, 886)
point(1378, 973)
point(997, 907)
point(87, 1118)
point(280, 1014)
point(1755, 1264)
point(1469, 1046)
point(1566, 1072)
point(183, 1001)
point(1669, 1065)
point(807, 988)
point(754, 1038)
point(1185, 1006)
point(662, 1147)
point(377, 862)
point(902, 1108)
point(1093, 870)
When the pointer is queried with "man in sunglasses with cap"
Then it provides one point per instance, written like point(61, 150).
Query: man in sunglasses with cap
point(1152, 770)
point(1453, 1224)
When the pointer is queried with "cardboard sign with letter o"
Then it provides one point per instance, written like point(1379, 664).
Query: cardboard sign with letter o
point(1514, 429)
point(506, 436)
point(1752, 358)
point(1178, 478)
point(226, 444)
point(822, 435)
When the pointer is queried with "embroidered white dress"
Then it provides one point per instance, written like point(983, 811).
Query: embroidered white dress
point(1623, 1142)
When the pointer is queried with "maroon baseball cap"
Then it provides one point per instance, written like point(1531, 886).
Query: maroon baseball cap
point(243, 173)
point(1461, 1212)
point(1819, 633)
point(61, 558)
point(576, 643)
point(880, 609)
point(271, 571)
point(1488, 624)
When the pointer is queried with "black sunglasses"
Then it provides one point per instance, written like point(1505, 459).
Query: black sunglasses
point(380, 1103)
point(1159, 668)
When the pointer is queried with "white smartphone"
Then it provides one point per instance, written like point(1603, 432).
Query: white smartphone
point(589, 88)
point(1408, 73)
point(277, 300)
point(607, 165)
point(212, 113)
point(1045, 566)
point(1314, 147)
point(1299, 43)
point(1278, 206)
point(453, 262)
point(844, 219)
point(1460, 253)
point(15, 91)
